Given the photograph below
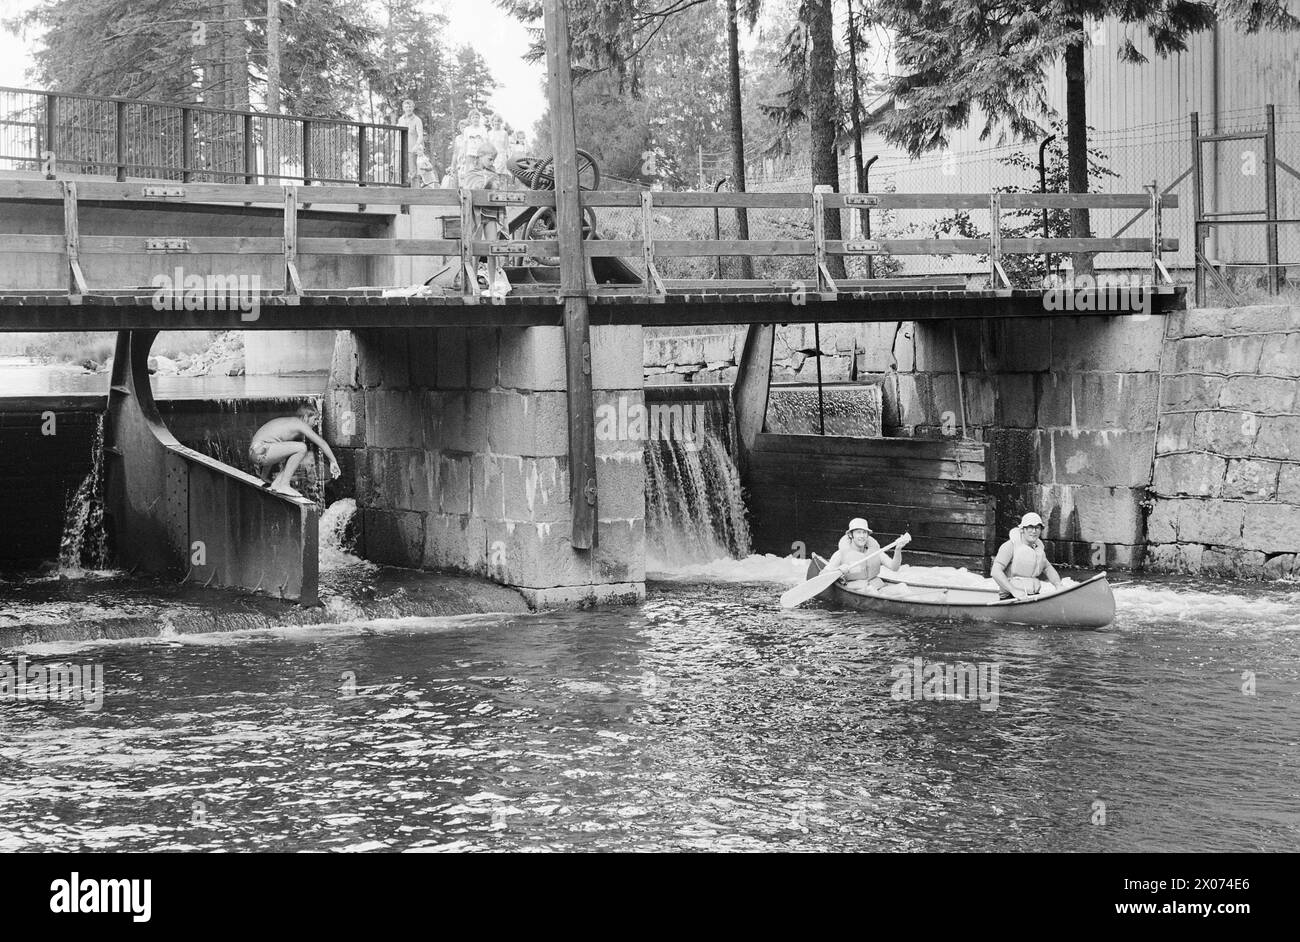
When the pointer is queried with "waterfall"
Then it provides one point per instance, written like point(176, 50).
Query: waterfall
point(84, 544)
point(695, 509)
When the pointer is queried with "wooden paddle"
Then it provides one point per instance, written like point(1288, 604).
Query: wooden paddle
point(804, 591)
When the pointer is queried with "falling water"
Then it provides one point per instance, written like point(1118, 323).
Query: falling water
point(695, 509)
point(84, 544)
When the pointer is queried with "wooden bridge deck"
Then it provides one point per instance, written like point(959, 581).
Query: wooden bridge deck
point(55, 312)
point(624, 284)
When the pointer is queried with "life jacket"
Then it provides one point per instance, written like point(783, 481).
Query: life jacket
point(848, 551)
point(1027, 562)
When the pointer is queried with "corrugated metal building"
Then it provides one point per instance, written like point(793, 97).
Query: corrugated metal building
point(1140, 116)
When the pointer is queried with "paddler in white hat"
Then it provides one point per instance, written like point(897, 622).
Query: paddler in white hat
point(1021, 563)
point(856, 545)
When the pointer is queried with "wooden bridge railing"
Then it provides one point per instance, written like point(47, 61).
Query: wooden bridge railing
point(467, 208)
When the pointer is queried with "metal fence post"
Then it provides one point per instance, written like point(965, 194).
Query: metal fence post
point(250, 152)
point(187, 145)
point(1198, 208)
point(1270, 199)
point(306, 153)
point(51, 113)
point(120, 140)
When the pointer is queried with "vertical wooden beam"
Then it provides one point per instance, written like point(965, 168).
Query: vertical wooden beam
point(292, 283)
point(573, 288)
point(71, 243)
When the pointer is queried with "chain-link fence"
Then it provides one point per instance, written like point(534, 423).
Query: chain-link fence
point(1126, 161)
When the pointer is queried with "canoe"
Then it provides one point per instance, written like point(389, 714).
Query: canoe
point(1089, 604)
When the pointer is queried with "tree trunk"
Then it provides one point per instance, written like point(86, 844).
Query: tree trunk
point(1076, 127)
point(271, 145)
point(737, 130)
point(859, 170)
point(822, 114)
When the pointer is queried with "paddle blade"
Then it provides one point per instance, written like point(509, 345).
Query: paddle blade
point(807, 590)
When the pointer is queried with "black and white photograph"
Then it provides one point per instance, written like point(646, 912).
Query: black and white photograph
point(651, 427)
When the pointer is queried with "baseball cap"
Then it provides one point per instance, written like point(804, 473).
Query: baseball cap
point(857, 523)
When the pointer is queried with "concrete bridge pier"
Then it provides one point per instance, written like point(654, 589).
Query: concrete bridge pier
point(455, 441)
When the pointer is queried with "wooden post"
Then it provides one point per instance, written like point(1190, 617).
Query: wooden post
point(573, 288)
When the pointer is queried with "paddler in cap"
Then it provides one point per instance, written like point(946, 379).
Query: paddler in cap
point(1021, 563)
point(856, 545)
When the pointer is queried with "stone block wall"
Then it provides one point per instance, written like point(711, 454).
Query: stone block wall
point(455, 441)
point(1067, 406)
point(1226, 483)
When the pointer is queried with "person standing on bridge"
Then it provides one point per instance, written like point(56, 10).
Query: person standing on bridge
point(1021, 563)
point(285, 441)
point(414, 141)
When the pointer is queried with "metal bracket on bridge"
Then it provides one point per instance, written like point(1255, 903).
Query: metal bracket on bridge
point(861, 199)
point(164, 192)
point(516, 198)
point(508, 248)
point(167, 245)
point(862, 247)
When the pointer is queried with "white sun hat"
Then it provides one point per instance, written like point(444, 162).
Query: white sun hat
point(857, 523)
point(1031, 519)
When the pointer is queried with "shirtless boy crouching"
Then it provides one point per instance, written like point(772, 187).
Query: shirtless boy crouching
point(285, 441)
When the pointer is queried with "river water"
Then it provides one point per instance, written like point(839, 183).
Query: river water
point(708, 718)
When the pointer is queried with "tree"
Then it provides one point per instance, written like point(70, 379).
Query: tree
point(994, 54)
point(473, 78)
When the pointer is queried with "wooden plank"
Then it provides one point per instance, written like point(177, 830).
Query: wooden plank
point(604, 198)
point(198, 245)
point(187, 192)
point(316, 245)
point(691, 248)
point(915, 247)
point(31, 190)
point(496, 198)
point(1041, 246)
point(850, 446)
point(709, 200)
point(573, 277)
point(827, 469)
point(20, 243)
point(1082, 201)
point(378, 196)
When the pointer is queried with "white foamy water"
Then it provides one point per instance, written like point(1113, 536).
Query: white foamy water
point(782, 570)
point(333, 531)
point(1159, 602)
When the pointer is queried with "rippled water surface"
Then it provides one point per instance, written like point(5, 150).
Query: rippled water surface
point(707, 719)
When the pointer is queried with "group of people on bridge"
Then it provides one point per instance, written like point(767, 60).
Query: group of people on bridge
point(478, 158)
